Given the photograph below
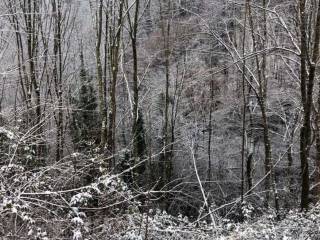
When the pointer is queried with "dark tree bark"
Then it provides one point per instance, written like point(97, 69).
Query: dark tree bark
point(270, 180)
point(165, 163)
point(308, 60)
point(115, 40)
point(100, 78)
point(57, 75)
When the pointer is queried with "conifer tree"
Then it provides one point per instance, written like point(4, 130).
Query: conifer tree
point(84, 116)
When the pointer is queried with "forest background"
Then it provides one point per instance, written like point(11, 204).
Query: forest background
point(135, 119)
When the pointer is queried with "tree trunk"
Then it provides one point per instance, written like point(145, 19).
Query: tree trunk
point(115, 41)
point(100, 77)
point(57, 74)
point(307, 77)
point(261, 96)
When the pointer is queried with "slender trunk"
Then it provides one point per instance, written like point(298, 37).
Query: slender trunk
point(57, 74)
point(262, 95)
point(133, 34)
point(114, 62)
point(317, 161)
point(100, 77)
point(268, 158)
point(210, 134)
point(244, 102)
point(166, 31)
point(317, 136)
point(250, 142)
point(249, 171)
point(290, 165)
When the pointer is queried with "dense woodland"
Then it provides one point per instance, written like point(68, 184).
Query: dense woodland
point(159, 119)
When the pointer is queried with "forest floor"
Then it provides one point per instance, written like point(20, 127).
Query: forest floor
point(295, 225)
